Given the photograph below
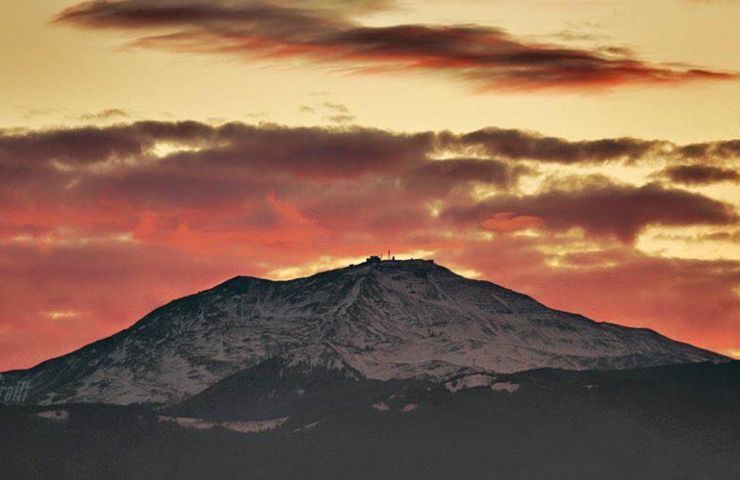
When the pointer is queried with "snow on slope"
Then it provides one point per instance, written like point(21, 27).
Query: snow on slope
point(393, 319)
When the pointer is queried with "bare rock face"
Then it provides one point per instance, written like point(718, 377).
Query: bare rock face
point(381, 320)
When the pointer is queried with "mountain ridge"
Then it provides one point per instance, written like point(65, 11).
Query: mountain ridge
point(390, 319)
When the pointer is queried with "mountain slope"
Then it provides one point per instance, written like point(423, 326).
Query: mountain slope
point(384, 320)
point(659, 423)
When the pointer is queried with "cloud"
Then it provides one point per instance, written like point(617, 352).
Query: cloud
point(444, 175)
point(107, 114)
point(336, 113)
point(184, 163)
point(723, 150)
point(340, 114)
point(699, 174)
point(518, 144)
point(487, 58)
point(509, 222)
point(160, 209)
point(602, 208)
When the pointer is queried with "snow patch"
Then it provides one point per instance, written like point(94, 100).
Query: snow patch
point(471, 381)
point(54, 415)
point(307, 426)
point(505, 387)
point(381, 406)
point(188, 422)
point(241, 427)
point(255, 426)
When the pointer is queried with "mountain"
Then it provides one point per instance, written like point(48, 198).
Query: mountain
point(274, 421)
point(379, 320)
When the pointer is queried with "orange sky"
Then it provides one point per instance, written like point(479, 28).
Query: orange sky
point(586, 155)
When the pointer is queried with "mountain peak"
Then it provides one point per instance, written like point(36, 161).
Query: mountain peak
point(419, 267)
point(379, 261)
point(371, 264)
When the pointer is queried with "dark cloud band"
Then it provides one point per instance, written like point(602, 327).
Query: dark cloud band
point(165, 165)
point(700, 174)
point(488, 58)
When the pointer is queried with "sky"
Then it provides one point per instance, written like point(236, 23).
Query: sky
point(583, 152)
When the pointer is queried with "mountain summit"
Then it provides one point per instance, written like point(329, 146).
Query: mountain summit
point(382, 319)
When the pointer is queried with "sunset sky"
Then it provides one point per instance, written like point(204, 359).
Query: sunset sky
point(584, 152)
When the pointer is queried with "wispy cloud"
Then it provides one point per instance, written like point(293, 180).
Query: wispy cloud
point(487, 58)
point(698, 174)
point(103, 115)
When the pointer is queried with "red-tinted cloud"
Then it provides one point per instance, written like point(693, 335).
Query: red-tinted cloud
point(486, 57)
point(100, 224)
point(509, 222)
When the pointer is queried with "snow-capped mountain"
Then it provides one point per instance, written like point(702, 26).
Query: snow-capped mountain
point(381, 319)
